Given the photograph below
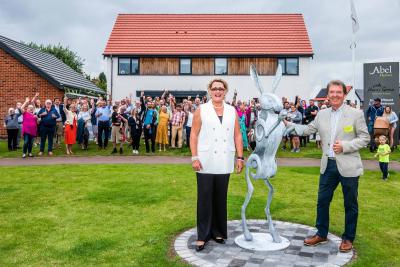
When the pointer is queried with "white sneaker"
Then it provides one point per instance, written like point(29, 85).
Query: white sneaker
point(133, 152)
point(137, 152)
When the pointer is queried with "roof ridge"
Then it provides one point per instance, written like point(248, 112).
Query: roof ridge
point(48, 66)
point(168, 32)
point(29, 47)
point(223, 14)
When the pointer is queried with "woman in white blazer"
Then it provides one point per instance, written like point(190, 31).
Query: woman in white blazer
point(214, 139)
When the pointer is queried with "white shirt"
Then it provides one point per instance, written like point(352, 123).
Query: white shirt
point(58, 110)
point(190, 119)
point(335, 116)
point(85, 115)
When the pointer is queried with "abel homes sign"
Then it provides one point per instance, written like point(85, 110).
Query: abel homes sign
point(382, 80)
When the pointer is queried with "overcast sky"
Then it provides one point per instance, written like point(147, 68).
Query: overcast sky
point(85, 26)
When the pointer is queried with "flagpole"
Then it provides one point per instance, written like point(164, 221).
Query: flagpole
point(355, 27)
point(353, 48)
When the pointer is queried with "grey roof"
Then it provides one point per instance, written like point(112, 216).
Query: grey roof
point(48, 66)
point(322, 93)
point(360, 94)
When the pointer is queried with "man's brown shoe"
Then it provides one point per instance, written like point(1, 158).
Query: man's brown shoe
point(346, 246)
point(315, 240)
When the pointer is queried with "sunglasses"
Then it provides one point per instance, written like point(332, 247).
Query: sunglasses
point(214, 89)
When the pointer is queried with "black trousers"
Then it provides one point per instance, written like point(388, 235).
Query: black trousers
point(150, 134)
point(212, 190)
point(103, 127)
point(47, 132)
point(384, 166)
point(12, 138)
point(136, 134)
point(188, 130)
point(327, 185)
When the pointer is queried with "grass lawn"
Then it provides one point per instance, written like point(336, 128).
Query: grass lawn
point(128, 215)
point(311, 151)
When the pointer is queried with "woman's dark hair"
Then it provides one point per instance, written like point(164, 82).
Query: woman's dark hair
point(115, 107)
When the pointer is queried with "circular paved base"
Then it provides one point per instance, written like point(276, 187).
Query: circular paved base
point(231, 254)
point(261, 242)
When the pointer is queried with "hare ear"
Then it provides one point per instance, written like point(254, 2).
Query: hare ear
point(278, 76)
point(254, 77)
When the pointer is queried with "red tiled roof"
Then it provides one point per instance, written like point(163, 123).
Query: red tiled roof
point(209, 34)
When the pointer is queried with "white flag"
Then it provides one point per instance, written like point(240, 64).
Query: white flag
point(354, 18)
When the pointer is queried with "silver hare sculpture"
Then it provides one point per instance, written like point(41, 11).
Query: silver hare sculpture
point(269, 131)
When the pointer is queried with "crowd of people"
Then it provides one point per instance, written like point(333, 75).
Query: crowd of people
point(162, 121)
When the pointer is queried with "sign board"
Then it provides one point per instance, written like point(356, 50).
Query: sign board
point(381, 80)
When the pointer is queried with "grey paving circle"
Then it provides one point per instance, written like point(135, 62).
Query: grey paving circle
point(230, 254)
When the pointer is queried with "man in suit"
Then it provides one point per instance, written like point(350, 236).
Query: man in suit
point(59, 123)
point(343, 133)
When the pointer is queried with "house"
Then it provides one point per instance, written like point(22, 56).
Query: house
point(25, 71)
point(183, 52)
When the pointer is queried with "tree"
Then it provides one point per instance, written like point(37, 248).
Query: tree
point(66, 55)
point(100, 81)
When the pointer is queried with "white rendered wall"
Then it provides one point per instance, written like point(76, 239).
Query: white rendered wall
point(290, 86)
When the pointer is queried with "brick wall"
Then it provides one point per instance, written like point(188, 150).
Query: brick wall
point(18, 82)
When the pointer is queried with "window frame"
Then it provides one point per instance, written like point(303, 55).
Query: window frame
point(284, 71)
point(130, 66)
point(138, 63)
point(215, 66)
point(180, 69)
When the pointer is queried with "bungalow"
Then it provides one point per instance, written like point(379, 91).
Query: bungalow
point(25, 71)
point(183, 52)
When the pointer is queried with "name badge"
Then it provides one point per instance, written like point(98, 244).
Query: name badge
point(348, 129)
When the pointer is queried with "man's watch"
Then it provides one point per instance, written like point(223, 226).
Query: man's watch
point(195, 158)
point(240, 158)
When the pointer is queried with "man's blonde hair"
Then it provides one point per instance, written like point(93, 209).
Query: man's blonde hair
point(217, 80)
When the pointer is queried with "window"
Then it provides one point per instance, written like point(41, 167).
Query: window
point(128, 66)
point(221, 66)
point(134, 66)
point(185, 66)
point(290, 66)
point(124, 66)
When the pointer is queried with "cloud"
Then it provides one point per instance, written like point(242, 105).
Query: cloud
point(85, 26)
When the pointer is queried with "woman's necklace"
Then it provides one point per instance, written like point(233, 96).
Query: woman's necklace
point(218, 107)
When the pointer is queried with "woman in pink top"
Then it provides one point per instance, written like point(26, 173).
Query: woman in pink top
point(29, 126)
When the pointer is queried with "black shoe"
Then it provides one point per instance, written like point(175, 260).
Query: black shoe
point(200, 247)
point(121, 151)
point(114, 151)
point(219, 240)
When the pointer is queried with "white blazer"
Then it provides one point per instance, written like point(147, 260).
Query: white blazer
point(70, 116)
point(216, 145)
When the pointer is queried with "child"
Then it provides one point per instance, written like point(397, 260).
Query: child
point(383, 153)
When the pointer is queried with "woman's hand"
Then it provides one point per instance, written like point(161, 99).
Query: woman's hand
point(196, 165)
point(239, 166)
